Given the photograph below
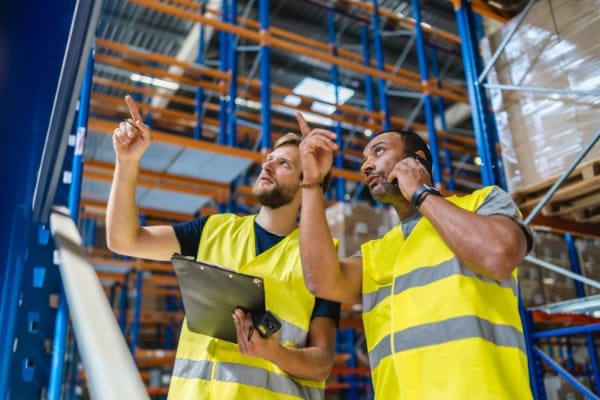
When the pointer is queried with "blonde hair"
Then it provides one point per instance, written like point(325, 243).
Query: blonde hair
point(288, 138)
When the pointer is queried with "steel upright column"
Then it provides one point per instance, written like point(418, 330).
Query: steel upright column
point(62, 317)
point(383, 103)
point(589, 336)
point(441, 113)
point(233, 68)
point(340, 187)
point(428, 103)
point(223, 67)
point(265, 75)
point(477, 97)
point(364, 39)
point(199, 93)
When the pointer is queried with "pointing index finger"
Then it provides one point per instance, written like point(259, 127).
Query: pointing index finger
point(304, 128)
point(133, 109)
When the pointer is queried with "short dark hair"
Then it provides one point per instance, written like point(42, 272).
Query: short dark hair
point(413, 142)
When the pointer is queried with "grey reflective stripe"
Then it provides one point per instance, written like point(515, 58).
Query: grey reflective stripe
point(292, 333)
point(426, 275)
point(447, 331)
point(194, 369)
point(381, 350)
point(254, 376)
point(370, 300)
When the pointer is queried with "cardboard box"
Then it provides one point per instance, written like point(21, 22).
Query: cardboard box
point(357, 222)
point(540, 134)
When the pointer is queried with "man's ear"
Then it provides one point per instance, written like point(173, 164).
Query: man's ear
point(421, 154)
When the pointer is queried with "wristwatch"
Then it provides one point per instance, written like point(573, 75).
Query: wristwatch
point(423, 191)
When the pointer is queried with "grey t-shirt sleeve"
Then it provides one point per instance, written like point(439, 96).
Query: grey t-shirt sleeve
point(498, 202)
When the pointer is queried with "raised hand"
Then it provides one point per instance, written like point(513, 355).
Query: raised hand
point(316, 151)
point(132, 138)
point(408, 174)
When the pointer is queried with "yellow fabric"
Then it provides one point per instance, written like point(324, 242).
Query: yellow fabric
point(464, 368)
point(228, 240)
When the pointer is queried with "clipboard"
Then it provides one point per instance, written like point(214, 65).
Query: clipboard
point(211, 292)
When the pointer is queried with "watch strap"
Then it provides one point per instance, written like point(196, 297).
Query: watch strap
point(421, 193)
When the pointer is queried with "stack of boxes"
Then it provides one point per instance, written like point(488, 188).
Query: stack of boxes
point(355, 223)
point(542, 133)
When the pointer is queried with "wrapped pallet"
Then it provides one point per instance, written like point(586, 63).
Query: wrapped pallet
point(541, 134)
point(355, 223)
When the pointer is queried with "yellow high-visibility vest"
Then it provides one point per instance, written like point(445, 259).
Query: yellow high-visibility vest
point(208, 368)
point(434, 328)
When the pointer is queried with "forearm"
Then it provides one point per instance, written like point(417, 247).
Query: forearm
point(313, 363)
point(489, 245)
point(122, 219)
point(322, 273)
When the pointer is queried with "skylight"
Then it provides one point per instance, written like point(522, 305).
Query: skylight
point(322, 91)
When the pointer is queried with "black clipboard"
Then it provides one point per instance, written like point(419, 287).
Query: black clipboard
point(210, 293)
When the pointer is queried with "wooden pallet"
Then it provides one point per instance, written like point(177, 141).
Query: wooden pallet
point(577, 199)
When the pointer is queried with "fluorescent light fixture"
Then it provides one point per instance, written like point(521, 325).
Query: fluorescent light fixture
point(322, 108)
point(148, 80)
point(292, 100)
point(322, 91)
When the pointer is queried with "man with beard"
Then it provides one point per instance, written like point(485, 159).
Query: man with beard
point(294, 362)
point(439, 291)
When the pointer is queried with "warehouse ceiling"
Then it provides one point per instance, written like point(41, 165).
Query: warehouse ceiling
point(154, 50)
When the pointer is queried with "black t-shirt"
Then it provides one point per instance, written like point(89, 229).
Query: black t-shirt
point(188, 234)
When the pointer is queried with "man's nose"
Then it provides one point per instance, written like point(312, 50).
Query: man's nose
point(367, 167)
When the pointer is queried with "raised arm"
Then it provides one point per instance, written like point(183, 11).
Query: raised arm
point(490, 245)
point(124, 235)
point(311, 362)
point(324, 275)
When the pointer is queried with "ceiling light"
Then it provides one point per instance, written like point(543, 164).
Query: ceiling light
point(148, 80)
point(322, 91)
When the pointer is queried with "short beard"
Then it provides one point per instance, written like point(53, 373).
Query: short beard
point(386, 192)
point(273, 198)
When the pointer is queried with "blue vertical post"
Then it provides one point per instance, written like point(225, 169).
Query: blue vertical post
point(340, 187)
point(482, 136)
point(169, 329)
point(441, 109)
point(364, 40)
point(383, 103)
point(489, 119)
point(233, 68)
point(265, 75)
point(123, 303)
point(223, 67)
point(199, 93)
point(137, 311)
point(62, 314)
point(536, 372)
point(428, 103)
point(589, 336)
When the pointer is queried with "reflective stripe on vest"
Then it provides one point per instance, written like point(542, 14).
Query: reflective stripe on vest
point(245, 375)
point(446, 331)
point(370, 300)
point(292, 333)
point(426, 275)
